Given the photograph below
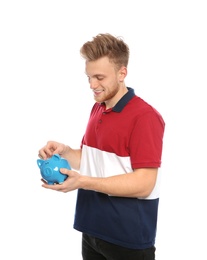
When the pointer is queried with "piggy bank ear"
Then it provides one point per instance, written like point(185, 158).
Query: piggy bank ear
point(39, 162)
point(56, 157)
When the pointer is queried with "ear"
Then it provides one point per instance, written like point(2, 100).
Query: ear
point(39, 162)
point(122, 73)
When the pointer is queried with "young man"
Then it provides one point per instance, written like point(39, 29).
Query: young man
point(116, 168)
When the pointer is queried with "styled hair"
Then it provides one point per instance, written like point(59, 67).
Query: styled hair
point(106, 45)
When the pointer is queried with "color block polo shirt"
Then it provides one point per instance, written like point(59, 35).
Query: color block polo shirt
point(118, 140)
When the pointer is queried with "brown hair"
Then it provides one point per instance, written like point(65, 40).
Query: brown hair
point(106, 45)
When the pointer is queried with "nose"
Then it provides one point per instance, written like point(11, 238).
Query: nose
point(93, 83)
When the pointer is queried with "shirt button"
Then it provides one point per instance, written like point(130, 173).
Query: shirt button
point(100, 121)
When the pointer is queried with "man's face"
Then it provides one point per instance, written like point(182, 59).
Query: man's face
point(104, 80)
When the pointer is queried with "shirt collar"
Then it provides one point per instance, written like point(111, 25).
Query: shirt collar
point(124, 100)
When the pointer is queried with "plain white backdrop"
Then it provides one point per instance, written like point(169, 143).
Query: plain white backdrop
point(45, 96)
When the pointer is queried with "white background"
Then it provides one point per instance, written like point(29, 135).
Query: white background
point(44, 95)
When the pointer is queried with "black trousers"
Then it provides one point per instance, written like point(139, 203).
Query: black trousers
point(97, 249)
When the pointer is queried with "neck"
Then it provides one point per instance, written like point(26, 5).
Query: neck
point(112, 102)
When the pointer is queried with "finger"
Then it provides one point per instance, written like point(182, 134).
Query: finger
point(40, 156)
point(56, 187)
point(44, 181)
point(45, 153)
point(65, 171)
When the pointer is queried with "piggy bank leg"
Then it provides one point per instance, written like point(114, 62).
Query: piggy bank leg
point(50, 183)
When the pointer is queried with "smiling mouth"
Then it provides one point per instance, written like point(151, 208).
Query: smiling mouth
point(97, 92)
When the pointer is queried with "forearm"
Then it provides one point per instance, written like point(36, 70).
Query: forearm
point(139, 183)
point(73, 156)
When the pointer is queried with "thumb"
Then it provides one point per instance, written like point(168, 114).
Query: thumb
point(65, 171)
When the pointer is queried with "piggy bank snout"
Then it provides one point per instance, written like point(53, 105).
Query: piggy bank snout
point(48, 171)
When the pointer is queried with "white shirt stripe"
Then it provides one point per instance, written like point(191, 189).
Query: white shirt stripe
point(99, 163)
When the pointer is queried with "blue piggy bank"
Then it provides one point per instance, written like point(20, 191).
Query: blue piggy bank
point(49, 169)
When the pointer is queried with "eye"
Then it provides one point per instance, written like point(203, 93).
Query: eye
point(100, 77)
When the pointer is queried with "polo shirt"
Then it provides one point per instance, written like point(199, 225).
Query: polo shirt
point(116, 141)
